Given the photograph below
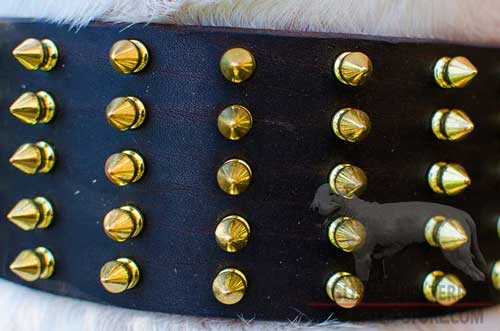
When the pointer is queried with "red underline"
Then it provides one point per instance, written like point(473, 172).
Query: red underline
point(405, 304)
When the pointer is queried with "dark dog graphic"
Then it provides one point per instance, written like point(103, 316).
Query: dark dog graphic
point(392, 226)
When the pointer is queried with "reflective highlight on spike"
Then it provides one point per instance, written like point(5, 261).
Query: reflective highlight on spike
point(351, 124)
point(232, 233)
point(229, 286)
point(346, 233)
point(237, 65)
point(234, 176)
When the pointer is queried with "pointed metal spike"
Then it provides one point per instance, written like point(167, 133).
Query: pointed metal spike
point(119, 275)
point(26, 108)
point(347, 234)
point(345, 289)
point(351, 124)
point(448, 178)
point(128, 56)
point(454, 72)
point(36, 54)
point(445, 289)
point(347, 180)
point(27, 158)
point(353, 68)
point(451, 125)
point(123, 223)
point(124, 168)
point(232, 233)
point(26, 214)
point(229, 286)
point(124, 113)
point(234, 176)
point(27, 266)
point(495, 275)
point(451, 234)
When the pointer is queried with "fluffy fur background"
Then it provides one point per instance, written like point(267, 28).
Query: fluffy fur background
point(472, 21)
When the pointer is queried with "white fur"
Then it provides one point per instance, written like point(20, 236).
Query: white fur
point(477, 21)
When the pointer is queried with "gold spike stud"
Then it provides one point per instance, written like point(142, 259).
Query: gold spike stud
point(123, 223)
point(353, 68)
point(232, 233)
point(124, 168)
point(448, 178)
point(445, 289)
point(234, 122)
point(346, 233)
point(451, 124)
point(229, 286)
point(454, 72)
point(126, 113)
point(495, 275)
point(351, 124)
point(119, 275)
point(237, 65)
point(36, 54)
point(234, 176)
point(31, 265)
point(33, 108)
point(347, 180)
point(345, 290)
point(445, 233)
point(34, 158)
point(29, 214)
point(128, 56)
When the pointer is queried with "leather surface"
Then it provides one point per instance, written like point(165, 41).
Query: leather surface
point(291, 149)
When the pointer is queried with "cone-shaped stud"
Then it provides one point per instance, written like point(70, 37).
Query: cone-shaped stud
point(232, 233)
point(34, 158)
point(445, 233)
point(123, 223)
point(445, 289)
point(234, 122)
point(454, 72)
point(451, 124)
point(32, 108)
point(237, 65)
point(29, 214)
point(353, 68)
point(124, 168)
point(128, 56)
point(448, 178)
point(495, 276)
point(126, 113)
point(351, 124)
point(347, 180)
point(229, 286)
point(36, 54)
point(234, 176)
point(346, 233)
point(345, 289)
point(31, 265)
point(119, 275)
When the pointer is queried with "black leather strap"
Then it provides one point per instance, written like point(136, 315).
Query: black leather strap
point(291, 149)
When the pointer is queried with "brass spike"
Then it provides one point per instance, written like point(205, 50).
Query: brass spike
point(31, 265)
point(36, 54)
point(445, 233)
point(128, 56)
point(237, 65)
point(451, 124)
point(346, 233)
point(126, 113)
point(347, 180)
point(29, 214)
point(353, 68)
point(33, 108)
point(448, 178)
point(234, 176)
point(119, 275)
point(234, 122)
point(445, 289)
point(124, 168)
point(34, 158)
point(345, 289)
point(454, 72)
point(232, 233)
point(229, 286)
point(495, 275)
point(123, 223)
point(351, 124)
